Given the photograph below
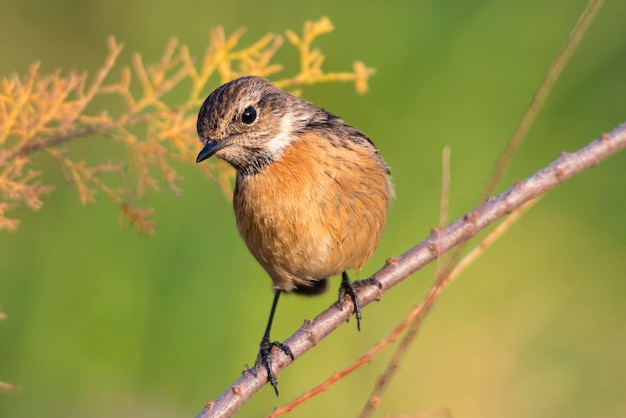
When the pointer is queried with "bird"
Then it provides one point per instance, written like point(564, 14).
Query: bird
point(311, 192)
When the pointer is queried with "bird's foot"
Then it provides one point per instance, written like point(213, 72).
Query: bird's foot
point(348, 288)
point(263, 359)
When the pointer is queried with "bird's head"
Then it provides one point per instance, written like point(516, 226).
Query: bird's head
point(248, 122)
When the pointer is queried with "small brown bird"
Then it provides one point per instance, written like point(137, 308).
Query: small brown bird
point(311, 194)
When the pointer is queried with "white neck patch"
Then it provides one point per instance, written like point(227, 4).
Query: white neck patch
point(277, 145)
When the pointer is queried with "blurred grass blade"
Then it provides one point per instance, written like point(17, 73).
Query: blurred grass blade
point(541, 94)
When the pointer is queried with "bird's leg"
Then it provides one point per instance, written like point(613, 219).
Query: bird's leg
point(263, 359)
point(348, 288)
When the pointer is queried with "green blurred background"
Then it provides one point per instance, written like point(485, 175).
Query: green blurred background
point(106, 322)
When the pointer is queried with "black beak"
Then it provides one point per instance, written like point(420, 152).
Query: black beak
point(210, 147)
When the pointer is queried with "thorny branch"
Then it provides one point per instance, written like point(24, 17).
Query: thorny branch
point(397, 269)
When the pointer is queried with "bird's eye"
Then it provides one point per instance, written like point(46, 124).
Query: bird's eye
point(249, 115)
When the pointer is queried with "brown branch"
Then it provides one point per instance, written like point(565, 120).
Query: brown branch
point(399, 268)
point(85, 133)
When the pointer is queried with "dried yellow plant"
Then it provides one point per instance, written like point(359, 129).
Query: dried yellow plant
point(44, 113)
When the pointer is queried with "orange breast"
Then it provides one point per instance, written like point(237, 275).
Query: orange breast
point(315, 212)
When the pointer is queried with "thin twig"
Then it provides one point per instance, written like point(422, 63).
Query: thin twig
point(537, 102)
point(8, 388)
point(84, 133)
point(553, 73)
point(398, 269)
point(444, 201)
